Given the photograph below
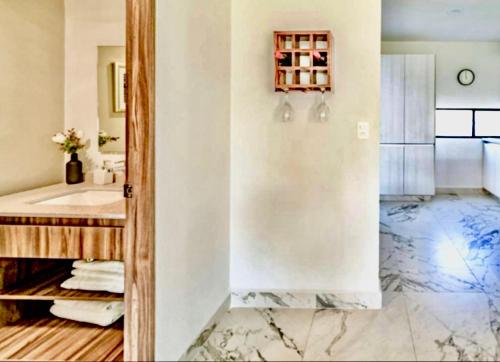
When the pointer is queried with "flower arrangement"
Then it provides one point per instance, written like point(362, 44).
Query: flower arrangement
point(69, 142)
point(105, 138)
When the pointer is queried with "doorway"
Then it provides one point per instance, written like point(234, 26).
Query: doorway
point(439, 214)
point(140, 187)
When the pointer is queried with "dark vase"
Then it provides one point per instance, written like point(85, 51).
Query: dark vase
point(74, 170)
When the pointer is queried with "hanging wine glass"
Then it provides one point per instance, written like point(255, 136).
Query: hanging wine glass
point(322, 110)
point(286, 110)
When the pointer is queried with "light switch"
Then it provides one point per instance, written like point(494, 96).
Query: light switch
point(363, 130)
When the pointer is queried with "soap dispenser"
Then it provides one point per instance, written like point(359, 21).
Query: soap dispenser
point(103, 175)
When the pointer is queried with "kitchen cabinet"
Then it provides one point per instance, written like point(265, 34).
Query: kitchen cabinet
point(392, 129)
point(419, 170)
point(491, 167)
point(391, 169)
point(407, 127)
point(419, 99)
point(407, 170)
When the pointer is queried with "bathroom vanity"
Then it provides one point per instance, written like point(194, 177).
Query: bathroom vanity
point(42, 231)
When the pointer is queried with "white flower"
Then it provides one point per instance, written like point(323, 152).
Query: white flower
point(103, 133)
point(59, 138)
point(79, 134)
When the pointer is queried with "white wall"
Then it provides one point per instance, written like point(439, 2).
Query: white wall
point(459, 161)
point(31, 93)
point(451, 57)
point(192, 164)
point(89, 24)
point(304, 195)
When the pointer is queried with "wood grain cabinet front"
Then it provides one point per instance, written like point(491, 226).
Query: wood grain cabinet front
point(392, 169)
point(61, 242)
point(392, 127)
point(420, 100)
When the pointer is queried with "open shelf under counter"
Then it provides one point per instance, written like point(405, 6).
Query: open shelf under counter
point(46, 339)
point(47, 287)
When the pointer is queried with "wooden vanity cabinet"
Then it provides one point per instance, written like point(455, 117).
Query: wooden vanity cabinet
point(61, 238)
point(36, 256)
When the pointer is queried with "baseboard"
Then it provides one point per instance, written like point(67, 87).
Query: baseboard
point(285, 299)
point(405, 198)
point(461, 191)
point(207, 330)
point(306, 299)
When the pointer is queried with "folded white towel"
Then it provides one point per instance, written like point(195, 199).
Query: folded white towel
point(100, 265)
point(94, 284)
point(92, 305)
point(103, 319)
point(111, 276)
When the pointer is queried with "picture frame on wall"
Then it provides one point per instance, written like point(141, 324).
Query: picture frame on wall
point(119, 73)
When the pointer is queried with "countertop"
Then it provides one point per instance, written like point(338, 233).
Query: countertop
point(492, 140)
point(22, 203)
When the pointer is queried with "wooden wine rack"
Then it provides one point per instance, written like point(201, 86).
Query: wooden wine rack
point(296, 66)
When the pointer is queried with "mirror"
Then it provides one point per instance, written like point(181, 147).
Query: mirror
point(111, 99)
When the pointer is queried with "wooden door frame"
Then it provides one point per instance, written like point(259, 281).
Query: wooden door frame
point(139, 335)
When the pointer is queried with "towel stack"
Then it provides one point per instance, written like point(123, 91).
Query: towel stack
point(105, 276)
point(95, 312)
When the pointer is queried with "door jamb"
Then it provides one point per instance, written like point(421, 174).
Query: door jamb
point(139, 329)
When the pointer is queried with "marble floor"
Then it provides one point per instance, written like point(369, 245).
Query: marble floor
point(440, 273)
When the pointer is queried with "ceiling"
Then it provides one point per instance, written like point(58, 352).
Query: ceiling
point(441, 20)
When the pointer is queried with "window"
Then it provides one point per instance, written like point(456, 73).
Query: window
point(467, 123)
point(453, 123)
point(487, 123)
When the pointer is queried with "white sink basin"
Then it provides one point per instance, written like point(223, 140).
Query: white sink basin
point(84, 198)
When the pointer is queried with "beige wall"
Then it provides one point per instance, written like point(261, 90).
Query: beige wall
point(192, 164)
point(31, 93)
point(111, 122)
point(304, 195)
point(89, 24)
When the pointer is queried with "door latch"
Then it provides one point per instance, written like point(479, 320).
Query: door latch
point(128, 191)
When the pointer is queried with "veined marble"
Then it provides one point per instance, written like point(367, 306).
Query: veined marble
point(416, 253)
point(272, 299)
point(258, 335)
point(440, 273)
point(340, 335)
point(305, 300)
point(452, 327)
point(197, 346)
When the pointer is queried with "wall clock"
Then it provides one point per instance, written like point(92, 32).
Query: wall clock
point(466, 77)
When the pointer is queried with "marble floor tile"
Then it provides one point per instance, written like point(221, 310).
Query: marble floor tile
point(382, 335)
point(411, 220)
point(423, 264)
point(451, 327)
point(440, 273)
point(436, 280)
point(258, 335)
point(488, 277)
point(473, 227)
point(275, 299)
